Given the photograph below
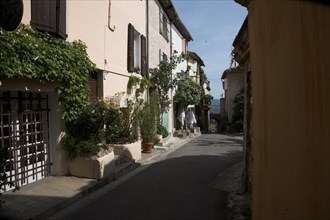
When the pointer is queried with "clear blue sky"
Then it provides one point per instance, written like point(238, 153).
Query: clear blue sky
point(213, 24)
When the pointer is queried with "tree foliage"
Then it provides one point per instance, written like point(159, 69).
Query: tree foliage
point(188, 92)
point(29, 54)
point(148, 122)
point(238, 106)
point(162, 81)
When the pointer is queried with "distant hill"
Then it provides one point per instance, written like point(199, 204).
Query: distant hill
point(215, 106)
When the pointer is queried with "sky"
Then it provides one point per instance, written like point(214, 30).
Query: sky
point(213, 25)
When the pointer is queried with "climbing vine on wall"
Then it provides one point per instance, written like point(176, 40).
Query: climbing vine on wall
point(29, 54)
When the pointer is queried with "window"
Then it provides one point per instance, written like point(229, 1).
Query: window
point(136, 51)
point(163, 25)
point(162, 56)
point(49, 16)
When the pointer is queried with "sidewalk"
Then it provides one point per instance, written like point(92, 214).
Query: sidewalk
point(45, 197)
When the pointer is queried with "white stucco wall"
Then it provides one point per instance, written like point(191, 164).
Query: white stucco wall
point(177, 45)
point(193, 69)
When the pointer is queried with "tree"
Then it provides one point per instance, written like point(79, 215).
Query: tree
point(162, 81)
point(188, 92)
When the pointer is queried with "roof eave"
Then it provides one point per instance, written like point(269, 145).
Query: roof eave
point(170, 11)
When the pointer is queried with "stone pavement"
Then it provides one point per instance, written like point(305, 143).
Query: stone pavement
point(45, 197)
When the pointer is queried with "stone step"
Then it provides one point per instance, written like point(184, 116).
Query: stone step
point(180, 134)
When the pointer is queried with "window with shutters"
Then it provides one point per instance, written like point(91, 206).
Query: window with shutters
point(163, 25)
point(49, 16)
point(136, 51)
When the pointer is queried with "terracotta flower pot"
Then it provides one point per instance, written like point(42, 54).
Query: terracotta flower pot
point(147, 147)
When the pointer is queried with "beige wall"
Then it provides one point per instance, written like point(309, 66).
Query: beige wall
point(88, 21)
point(27, 12)
point(290, 54)
point(156, 40)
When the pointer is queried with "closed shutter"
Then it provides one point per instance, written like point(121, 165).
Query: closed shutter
point(130, 49)
point(92, 83)
point(43, 15)
point(61, 22)
point(144, 66)
point(49, 16)
point(166, 29)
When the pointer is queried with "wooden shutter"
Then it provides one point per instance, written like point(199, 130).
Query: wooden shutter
point(92, 83)
point(144, 66)
point(61, 19)
point(49, 16)
point(43, 15)
point(130, 49)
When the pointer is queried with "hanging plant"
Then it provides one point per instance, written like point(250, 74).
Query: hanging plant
point(29, 54)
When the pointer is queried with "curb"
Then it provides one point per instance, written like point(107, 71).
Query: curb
point(89, 190)
point(168, 148)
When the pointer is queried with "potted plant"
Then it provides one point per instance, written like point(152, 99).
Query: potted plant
point(148, 125)
point(85, 140)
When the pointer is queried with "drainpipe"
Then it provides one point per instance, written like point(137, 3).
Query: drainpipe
point(171, 54)
point(147, 33)
point(109, 18)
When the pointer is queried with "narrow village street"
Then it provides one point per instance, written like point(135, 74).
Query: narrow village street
point(177, 186)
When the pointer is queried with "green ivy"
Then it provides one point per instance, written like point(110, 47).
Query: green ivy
point(29, 54)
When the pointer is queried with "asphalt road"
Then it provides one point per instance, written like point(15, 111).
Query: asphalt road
point(175, 186)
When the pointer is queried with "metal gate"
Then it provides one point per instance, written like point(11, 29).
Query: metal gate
point(24, 136)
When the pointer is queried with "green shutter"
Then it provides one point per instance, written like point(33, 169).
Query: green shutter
point(161, 24)
point(165, 121)
point(166, 25)
point(144, 61)
point(160, 55)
